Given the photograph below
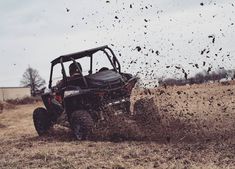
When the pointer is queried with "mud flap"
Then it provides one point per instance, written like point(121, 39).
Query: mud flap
point(56, 109)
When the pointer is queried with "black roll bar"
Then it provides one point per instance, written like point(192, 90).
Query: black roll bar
point(80, 71)
point(110, 60)
point(115, 58)
point(50, 81)
point(63, 70)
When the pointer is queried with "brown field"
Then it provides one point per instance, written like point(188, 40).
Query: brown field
point(177, 127)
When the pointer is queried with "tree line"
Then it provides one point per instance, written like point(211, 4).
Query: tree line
point(201, 77)
point(32, 79)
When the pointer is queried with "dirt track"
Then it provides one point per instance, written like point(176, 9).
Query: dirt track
point(181, 127)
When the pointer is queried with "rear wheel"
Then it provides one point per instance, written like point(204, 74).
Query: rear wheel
point(81, 123)
point(42, 121)
point(127, 106)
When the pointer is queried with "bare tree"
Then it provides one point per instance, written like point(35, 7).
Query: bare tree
point(32, 79)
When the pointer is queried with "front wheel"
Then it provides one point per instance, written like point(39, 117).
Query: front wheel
point(81, 123)
point(42, 121)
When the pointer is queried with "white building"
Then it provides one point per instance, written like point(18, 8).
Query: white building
point(7, 93)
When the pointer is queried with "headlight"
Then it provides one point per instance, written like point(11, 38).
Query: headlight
point(71, 93)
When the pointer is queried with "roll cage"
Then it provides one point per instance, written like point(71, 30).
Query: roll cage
point(86, 53)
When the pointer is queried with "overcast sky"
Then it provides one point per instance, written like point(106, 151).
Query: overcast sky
point(168, 33)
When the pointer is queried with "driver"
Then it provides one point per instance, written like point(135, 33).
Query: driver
point(73, 69)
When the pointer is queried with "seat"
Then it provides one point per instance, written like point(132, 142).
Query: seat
point(104, 78)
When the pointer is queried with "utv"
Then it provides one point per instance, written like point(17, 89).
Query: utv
point(78, 100)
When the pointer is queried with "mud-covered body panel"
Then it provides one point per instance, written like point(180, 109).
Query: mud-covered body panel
point(96, 99)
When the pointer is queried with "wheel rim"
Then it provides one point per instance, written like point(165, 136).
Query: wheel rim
point(77, 132)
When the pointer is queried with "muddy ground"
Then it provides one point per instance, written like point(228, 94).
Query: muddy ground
point(173, 127)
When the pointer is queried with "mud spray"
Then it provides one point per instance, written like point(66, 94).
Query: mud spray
point(148, 123)
point(145, 123)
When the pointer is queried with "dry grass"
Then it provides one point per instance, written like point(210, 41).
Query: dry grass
point(11, 104)
point(179, 127)
point(26, 100)
point(5, 105)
